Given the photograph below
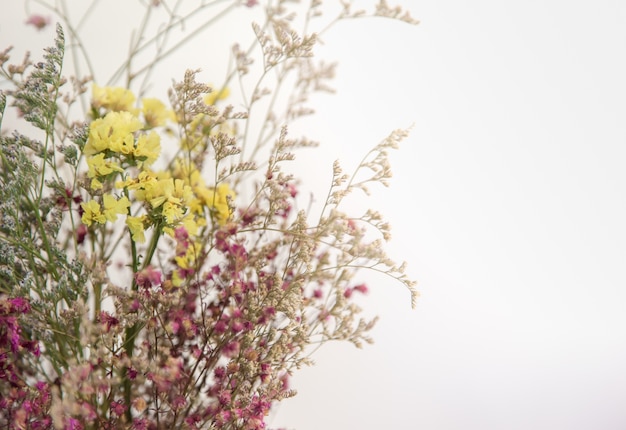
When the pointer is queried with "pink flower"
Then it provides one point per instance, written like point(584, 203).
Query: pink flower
point(248, 216)
point(81, 232)
point(361, 288)
point(118, 408)
point(132, 373)
point(224, 398)
point(231, 349)
point(32, 346)
point(251, 3)
point(12, 333)
point(268, 314)
point(148, 277)
point(225, 416)
point(220, 327)
point(293, 191)
point(135, 305)
point(236, 326)
point(44, 391)
point(191, 420)
point(108, 320)
point(43, 423)
point(140, 424)
point(284, 379)
point(265, 371)
point(220, 372)
point(181, 234)
point(20, 305)
point(178, 403)
point(73, 424)
point(38, 21)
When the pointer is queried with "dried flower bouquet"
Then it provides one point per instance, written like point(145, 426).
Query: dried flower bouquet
point(147, 287)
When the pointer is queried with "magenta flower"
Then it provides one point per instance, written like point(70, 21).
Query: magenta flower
point(117, 408)
point(19, 305)
point(361, 288)
point(38, 21)
point(108, 320)
point(140, 424)
point(73, 424)
point(132, 373)
point(148, 277)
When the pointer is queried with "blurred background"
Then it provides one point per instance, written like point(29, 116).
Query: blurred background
point(507, 202)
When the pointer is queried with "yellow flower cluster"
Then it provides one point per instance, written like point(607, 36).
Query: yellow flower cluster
point(205, 203)
point(168, 194)
point(119, 141)
point(155, 114)
point(186, 259)
point(112, 208)
point(116, 99)
point(113, 99)
point(136, 225)
point(113, 142)
point(217, 200)
point(116, 142)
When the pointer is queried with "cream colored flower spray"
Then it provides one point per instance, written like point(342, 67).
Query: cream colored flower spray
point(150, 289)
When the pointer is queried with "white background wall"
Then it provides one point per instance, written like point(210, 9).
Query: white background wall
point(507, 201)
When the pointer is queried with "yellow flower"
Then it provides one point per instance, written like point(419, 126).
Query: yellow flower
point(190, 224)
point(158, 193)
point(98, 166)
point(155, 113)
point(218, 200)
point(182, 190)
point(177, 280)
point(196, 207)
point(115, 99)
point(216, 95)
point(188, 260)
point(188, 172)
point(136, 226)
point(170, 194)
point(172, 211)
point(92, 213)
point(175, 195)
point(96, 184)
point(145, 180)
point(185, 170)
point(148, 148)
point(114, 207)
point(114, 132)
